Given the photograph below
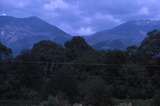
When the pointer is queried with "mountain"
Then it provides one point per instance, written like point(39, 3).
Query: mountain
point(127, 34)
point(115, 44)
point(22, 33)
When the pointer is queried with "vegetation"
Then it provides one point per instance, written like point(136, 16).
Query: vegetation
point(77, 73)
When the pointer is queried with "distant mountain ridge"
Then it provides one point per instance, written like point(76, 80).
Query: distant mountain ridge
point(129, 33)
point(22, 33)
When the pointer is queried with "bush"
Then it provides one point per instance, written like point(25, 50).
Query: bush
point(156, 99)
point(96, 93)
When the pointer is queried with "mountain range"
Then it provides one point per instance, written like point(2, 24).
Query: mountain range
point(124, 35)
point(22, 33)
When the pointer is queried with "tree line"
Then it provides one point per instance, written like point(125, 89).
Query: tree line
point(76, 72)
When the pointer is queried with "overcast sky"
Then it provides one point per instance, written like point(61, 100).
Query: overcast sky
point(83, 17)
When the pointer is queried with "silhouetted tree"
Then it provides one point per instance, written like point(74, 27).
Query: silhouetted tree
point(5, 53)
point(76, 48)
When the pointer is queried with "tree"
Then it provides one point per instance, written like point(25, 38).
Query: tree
point(76, 48)
point(156, 99)
point(29, 73)
point(50, 55)
point(5, 52)
point(64, 81)
point(136, 82)
point(96, 93)
point(151, 45)
point(48, 51)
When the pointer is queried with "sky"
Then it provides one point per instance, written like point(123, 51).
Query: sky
point(83, 17)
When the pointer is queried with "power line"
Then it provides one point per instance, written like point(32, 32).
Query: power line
point(71, 63)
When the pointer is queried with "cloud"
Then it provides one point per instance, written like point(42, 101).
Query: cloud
point(85, 31)
point(14, 3)
point(107, 17)
point(4, 14)
point(83, 16)
point(55, 4)
point(144, 11)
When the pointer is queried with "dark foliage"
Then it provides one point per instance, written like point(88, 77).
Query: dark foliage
point(81, 73)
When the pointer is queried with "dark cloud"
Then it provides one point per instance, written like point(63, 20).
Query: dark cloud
point(83, 16)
